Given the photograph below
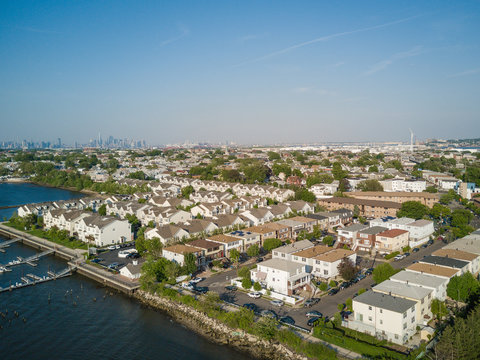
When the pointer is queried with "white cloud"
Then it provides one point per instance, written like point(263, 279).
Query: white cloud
point(417, 50)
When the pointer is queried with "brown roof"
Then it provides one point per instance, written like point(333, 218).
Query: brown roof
point(355, 201)
point(455, 254)
point(395, 194)
point(392, 233)
point(313, 251)
point(334, 255)
point(276, 226)
point(260, 229)
point(302, 219)
point(223, 238)
point(182, 249)
point(433, 270)
point(203, 244)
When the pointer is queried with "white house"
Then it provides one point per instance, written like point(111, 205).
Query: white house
point(437, 284)
point(132, 271)
point(281, 276)
point(177, 252)
point(384, 316)
point(102, 230)
point(167, 233)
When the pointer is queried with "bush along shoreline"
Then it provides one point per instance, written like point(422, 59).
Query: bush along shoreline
point(208, 316)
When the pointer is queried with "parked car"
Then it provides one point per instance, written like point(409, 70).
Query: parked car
point(369, 271)
point(314, 313)
point(134, 255)
point(255, 294)
point(113, 265)
point(430, 242)
point(117, 247)
point(188, 286)
point(287, 320)
point(260, 259)
point(313, 321)
point(398, 257)
point(231, 288)
point(97, 260)
point(415, 249)
point(311, 302)
point(332, 292)
point(197, 280)
point(424, 246)
point(251, 306)
point(407, 254)
point(269, 313)
point(200, 289)
point(276, 303)
point(111, 247)
point(361, 277)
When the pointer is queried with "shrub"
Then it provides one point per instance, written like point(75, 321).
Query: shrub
point(332, 283)
point(257, 286)
point(361, 291)
point(246, 283)
point(323, 286)
point(392, 255)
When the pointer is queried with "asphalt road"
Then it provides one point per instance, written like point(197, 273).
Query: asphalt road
point(328, 304)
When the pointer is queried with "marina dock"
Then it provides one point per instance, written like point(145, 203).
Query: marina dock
point(31, 279)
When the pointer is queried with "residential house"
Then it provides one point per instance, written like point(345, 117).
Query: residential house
point(437, 284)
point(348, 235)
point(285, 252)
point(281, 276)
point(211, 250)
point(472, 259)
point(366, 208)
point(446, 262)
point(384, 316)
point(102, 230)
point(229, 243)
point(391, 240)
point(258, 216)
point(366, 238)
point(167, 233)
point(248, 238)
point(177, 252)
point(439, 271)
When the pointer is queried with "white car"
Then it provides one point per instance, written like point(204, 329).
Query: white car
point(197, 280)
point(255, 294)
point(398, 257)
point(188, 286)
point(276, 302)
point(111, 247)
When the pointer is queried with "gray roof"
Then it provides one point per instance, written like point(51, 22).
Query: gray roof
point(374, 230)
point(418, 279)
point(402, 290)
point(469, 243)
point(100, 221)
point(384, 301)
point(354, 227)
point(444, 261)
point(402, 221)
point(316, 216)
point(421, 222)
point(294, 247)
point(283, 265)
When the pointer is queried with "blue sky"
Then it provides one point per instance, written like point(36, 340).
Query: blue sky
point(243, 71)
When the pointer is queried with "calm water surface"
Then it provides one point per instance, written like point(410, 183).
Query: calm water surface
point(76, 318)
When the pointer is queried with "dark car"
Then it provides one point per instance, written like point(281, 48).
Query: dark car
point(333, 291)
point(287, 320)
point(251, 306)
point(260, 259)
point(231, 288)
point(133, 256)
point(369, 271)
point(313, 321)
point(407, 254)
point(311, 302)
point(430, 242)
point(424, 246)
point(314, 313)
point(415, 249)
point(344, 285)
point(269, 313)
point(97, 260)
point(361, 277)
point(201, 289)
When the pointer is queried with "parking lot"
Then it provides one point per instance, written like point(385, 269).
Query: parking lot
point(108, 257)
point(328, 304)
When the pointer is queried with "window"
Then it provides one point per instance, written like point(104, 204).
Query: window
point(369, 308)
point(303, 259)
point(369, 318)
point(381, 311)
point(325, 272)
point(423, 300)
point(396, 336)
point(381, 322)
point(413, 319)
point(283, 255)
point(404, 326)
point(404, 315)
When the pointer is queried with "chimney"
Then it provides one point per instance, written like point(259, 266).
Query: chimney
point(407, 282)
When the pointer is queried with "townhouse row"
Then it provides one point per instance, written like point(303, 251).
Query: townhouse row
point(393, 309)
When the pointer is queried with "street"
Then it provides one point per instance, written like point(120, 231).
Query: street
point(328, 303)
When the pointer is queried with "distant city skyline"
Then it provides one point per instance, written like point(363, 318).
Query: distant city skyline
point(249, 72)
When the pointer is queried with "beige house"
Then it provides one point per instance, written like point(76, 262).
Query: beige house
point(390, 241)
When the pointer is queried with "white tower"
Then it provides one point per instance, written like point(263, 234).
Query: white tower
point(411, 140)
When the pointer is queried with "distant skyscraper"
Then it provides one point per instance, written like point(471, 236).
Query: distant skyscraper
point(59, 142)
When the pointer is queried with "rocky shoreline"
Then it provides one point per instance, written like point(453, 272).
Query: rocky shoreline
point(218, 332)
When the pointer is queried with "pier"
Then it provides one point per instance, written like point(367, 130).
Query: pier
point(29, 260)
point(31, 279)
point(7, 243)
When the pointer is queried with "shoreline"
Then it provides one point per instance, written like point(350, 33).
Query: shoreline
point(209, 328)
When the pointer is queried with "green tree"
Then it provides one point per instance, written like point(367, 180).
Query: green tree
point(273, 156)
point(337, 171)
point(257, 286)
point(187, 191)
point(246, 283)
point(271, 243)
point(234, 255)
point(438, 308)
point(305, 195)
point(373, 168)
point(383, 272)
point(413, 209)
point(102, 210)
point(462, 287)
point(370, 185)
point(266, 328)
point(461, 217)
point(439, 211)
point(253, 250)
point(349, 304)
point(431, 189)
point(328, 240)
point(190, 261)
